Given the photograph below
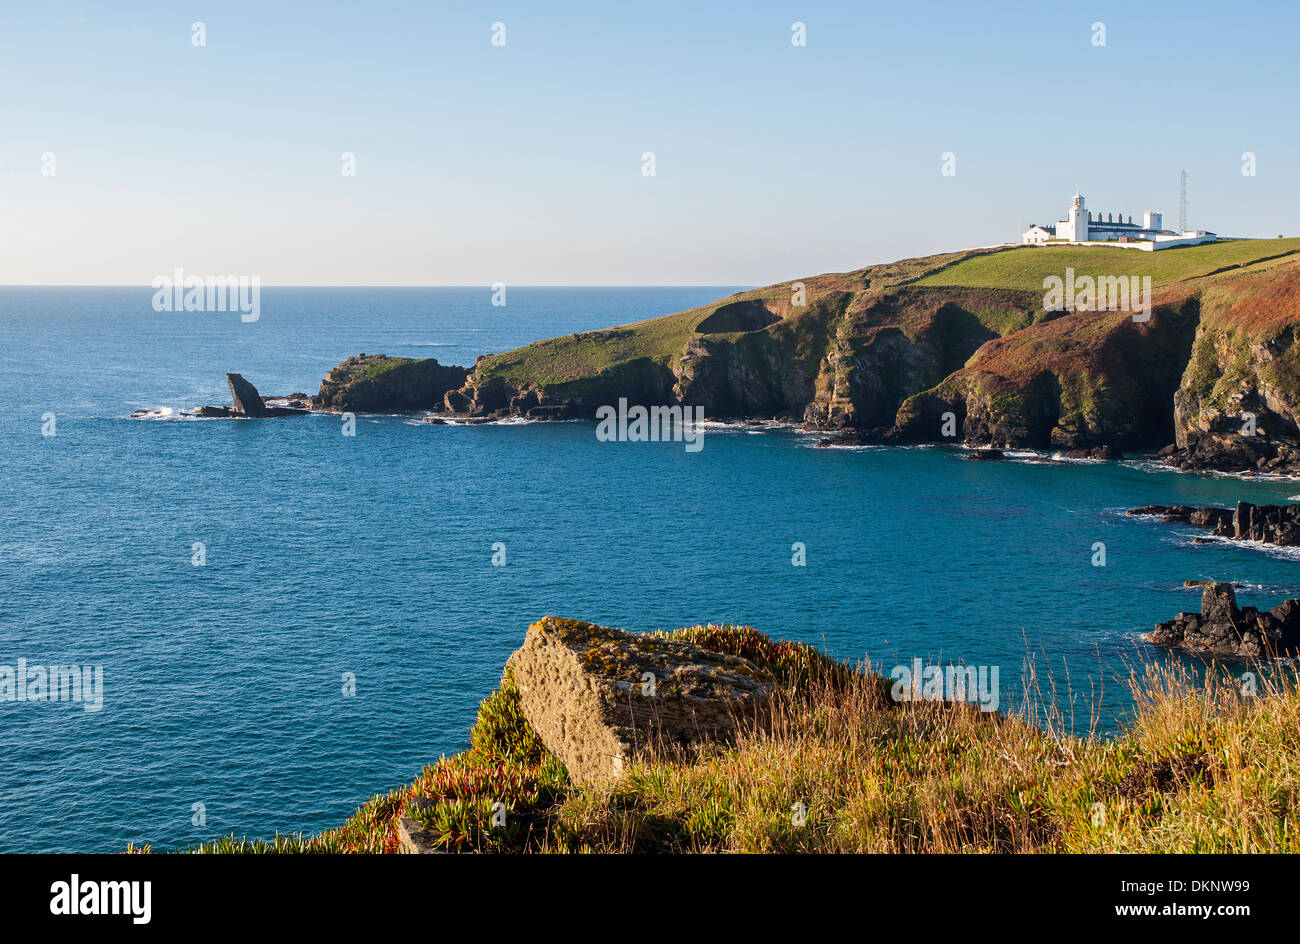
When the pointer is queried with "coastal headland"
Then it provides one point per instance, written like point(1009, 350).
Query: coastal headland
point(962, 348)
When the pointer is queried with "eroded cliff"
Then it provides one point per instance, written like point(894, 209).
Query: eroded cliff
point(950, 348)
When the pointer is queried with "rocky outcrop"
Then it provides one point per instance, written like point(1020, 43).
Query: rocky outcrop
point(414, 837)
point(207, 412)
point(602, 698)
point(376, 383)
point(1218, 520)
point(1203, 451)
point(496, 398)
point(909, 352)
point(1268, 524)
point(893, 342)
point(247, 404)
point(1223, 628)
point(837, 351)
point(247, 401)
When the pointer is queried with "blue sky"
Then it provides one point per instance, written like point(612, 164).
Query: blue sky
point(522, 164)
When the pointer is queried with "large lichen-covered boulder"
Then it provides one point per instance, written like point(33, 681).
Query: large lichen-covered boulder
point(602, 698)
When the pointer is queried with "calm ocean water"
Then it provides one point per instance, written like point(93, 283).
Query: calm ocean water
point(371, 555)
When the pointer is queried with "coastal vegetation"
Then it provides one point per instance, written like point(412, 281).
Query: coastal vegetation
point(1026, 268)
point(1206, 764)
point(957, 347)
point(566, 359)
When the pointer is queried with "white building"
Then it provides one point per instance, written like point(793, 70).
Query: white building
point(1080, 229)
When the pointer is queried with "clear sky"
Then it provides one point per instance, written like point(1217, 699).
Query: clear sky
point(522, 163)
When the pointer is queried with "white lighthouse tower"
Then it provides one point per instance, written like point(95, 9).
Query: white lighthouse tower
point(1076, 222)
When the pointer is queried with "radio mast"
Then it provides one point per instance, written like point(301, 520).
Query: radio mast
point(1182, 204)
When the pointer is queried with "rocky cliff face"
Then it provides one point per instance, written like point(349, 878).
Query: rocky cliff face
point(768, 370)
point(1077, 381)
point(892, 343)
point(375, 383)
point(836, 351)
point(902, 353)
point(1238, 404)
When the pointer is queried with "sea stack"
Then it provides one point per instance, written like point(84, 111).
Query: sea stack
point(247, 401)
point(1223, 628)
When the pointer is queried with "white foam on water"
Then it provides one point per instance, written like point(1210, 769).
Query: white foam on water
point(844, 447)
point(1148, 465)
point(164, 413)
point(1272, 550)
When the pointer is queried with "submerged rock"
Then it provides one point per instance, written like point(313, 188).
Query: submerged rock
point(602, 698)
point(216, 412)
point(1223, 628)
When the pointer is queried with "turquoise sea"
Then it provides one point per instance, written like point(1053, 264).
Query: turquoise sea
point(324, 555)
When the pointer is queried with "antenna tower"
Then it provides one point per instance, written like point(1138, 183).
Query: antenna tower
point(1182, 204)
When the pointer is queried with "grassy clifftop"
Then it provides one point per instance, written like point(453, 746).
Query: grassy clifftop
point(889, 349)
point(575, 357)
point(896, 353)
point(1199, 770)
point(1025, 268)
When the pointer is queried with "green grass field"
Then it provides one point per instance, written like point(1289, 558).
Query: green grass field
point(578, 356)
point(1026, 267)
point(557, 360)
